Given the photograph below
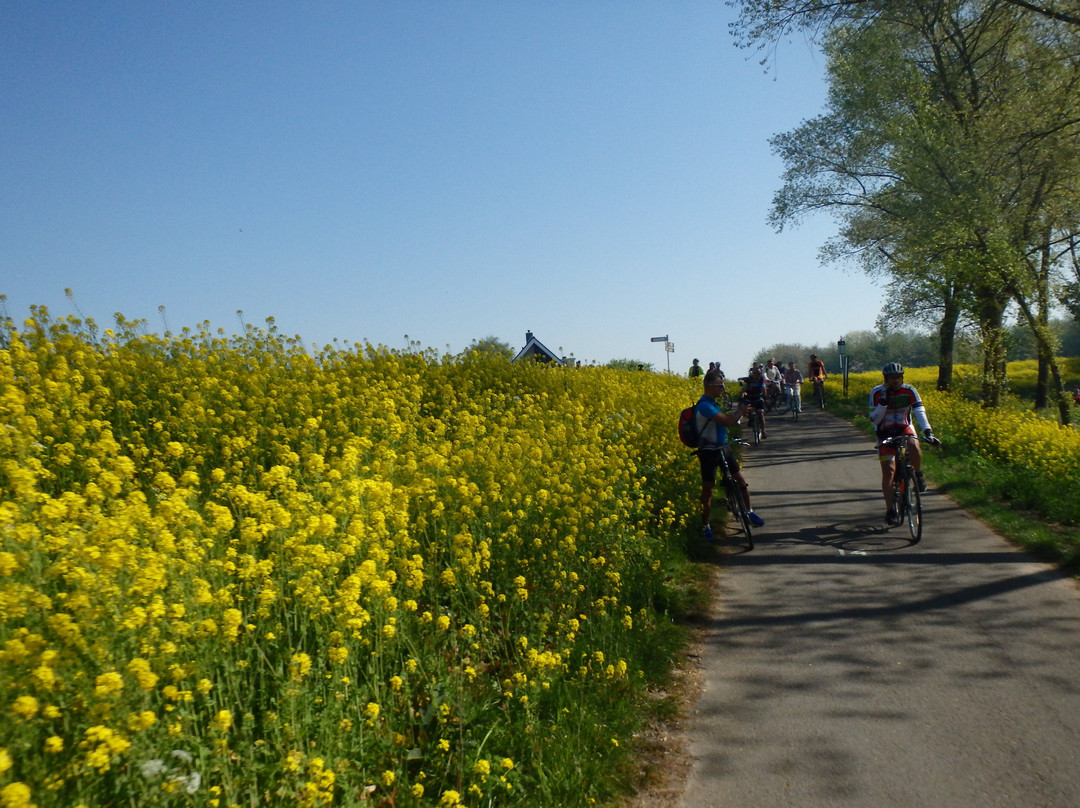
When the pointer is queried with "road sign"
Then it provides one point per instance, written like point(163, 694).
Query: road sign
point(669, 347)
point(658, 339)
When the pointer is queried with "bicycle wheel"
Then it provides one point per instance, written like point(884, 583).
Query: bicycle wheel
point(913, 506)
point(737, 508)
point(756, 418)
point(899, 496)
point(819, 391)
point(781, 405)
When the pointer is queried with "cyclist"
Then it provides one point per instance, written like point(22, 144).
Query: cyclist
point(893, 405)
point(793, 382)
point(712, 425)
point(773, 377)
point(816, 371)
point(754, 393)
point(696, 370)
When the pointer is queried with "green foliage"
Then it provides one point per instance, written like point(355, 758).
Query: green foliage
point(629, 364)
point(493, 345)
point(868, 350)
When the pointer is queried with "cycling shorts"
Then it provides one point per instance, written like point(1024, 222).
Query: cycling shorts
point(756, 403)
point(710, 462)
point(887, 453)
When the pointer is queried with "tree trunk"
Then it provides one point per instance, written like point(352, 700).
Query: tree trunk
point(991, 316)
point(1059, 393)
point(1042, 383)
point(947, 340)
point(1046, 349)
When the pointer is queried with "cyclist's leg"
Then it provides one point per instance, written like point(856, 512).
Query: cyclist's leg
point(915, 455)
point(888, 472)
point(708, 461)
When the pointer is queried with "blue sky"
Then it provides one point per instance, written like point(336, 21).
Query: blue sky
point(596, 172)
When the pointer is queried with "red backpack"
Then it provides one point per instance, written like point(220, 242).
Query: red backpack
point(688, 431)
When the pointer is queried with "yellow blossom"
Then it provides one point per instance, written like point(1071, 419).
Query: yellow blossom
point(25, 707)
point(16, 795)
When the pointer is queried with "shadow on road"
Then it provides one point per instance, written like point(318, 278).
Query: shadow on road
point(944, 600)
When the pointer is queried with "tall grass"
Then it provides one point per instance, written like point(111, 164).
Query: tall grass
point(235, 572)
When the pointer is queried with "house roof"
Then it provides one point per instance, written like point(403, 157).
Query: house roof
point(535, 349)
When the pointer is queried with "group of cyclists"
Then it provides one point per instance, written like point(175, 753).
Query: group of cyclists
point(893, 406)
point(766, 384)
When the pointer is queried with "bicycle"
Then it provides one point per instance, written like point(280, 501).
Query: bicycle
point(775, 400)
point(819, 392)
point(906, 498)
point(794, 401)
point(735, 502)
point(756, 419)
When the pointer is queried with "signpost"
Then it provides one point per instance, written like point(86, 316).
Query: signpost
point(669, 347)
point(841, 347)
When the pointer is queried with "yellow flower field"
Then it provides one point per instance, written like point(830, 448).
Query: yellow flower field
point(236, 572)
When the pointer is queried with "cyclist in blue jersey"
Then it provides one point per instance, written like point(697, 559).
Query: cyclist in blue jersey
point(712, 423)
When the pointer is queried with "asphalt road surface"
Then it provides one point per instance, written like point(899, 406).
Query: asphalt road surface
point(844, 666)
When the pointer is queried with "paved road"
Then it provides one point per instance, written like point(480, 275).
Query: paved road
point(845, 667)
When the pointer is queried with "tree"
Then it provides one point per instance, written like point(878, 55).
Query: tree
point(948, 151)
point(492, 344)
point(763, 23)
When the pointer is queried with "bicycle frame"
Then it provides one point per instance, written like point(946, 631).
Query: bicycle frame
point(794, 399)
point(906, 498)
point(776, 399)
point(733, 491)
point(756, 419)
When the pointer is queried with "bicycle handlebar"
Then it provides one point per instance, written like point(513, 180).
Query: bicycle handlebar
point(898, 438)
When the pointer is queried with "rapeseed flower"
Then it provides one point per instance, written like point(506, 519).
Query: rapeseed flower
point(16, 795)
point(220, 512)
point(26, 707)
